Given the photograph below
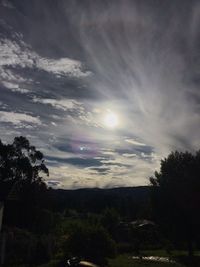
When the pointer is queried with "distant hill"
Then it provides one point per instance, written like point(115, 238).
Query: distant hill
point(128, 201)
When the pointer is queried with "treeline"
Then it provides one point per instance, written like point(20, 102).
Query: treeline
point(129, 202)
point(89, 224)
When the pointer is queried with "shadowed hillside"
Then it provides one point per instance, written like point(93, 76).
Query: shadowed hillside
point(126, 200)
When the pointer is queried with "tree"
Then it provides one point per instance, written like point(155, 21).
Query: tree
point(21, 163)
point(110, 221)
point(176, 197)
point(21, 168)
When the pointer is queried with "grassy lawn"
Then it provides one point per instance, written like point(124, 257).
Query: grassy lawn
point(126, 260)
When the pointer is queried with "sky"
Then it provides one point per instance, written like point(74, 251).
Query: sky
point(104, 88)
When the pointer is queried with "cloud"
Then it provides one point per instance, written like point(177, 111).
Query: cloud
point(15, 87)
point(18, 53)
point(127, 155)
point(73, 111)
point(134, 142)
point(114, 175)
point(77, 161)
point(54, 183)
point(151, 77)
point(64, 104)
point(15, 53)
point(63, 66)
point(103, 170)
point(7, 4)
point(19, 119)
point(122, 56)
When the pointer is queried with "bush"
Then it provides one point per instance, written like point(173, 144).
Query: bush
point(19, 245)
point(92, 243)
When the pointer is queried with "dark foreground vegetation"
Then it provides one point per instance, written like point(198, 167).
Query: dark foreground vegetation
point(115, 227)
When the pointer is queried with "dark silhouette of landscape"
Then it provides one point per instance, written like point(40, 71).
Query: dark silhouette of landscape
point(60, 227)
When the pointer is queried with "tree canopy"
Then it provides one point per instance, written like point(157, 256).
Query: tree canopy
point(20, 164)
point(176, 197)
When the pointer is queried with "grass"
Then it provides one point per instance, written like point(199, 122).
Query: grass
point(126, 260)
point(180, 257)
point(53, 263)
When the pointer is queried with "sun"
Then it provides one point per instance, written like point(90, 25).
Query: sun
point(111, 120)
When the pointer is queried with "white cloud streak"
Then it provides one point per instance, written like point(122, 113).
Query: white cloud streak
point(64, 104)
point(142, 62)
point(18, 53)
point(15, 87)
point(19, 119)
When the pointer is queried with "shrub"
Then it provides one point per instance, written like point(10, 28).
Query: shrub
point(91, 243)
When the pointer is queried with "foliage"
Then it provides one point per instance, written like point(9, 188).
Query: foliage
point(20, 245)
point(110, 221)
point(130, 203)
point(53, 263)
point(23, 247)
point(22, 186)
point(90, 242)
point(176, 197)
point(20, 165)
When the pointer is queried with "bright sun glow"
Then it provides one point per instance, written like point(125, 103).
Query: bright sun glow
point(111, 120)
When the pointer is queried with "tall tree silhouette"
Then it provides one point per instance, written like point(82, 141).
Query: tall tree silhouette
point(20, 161)
point(21, 168)
point(176, 196)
